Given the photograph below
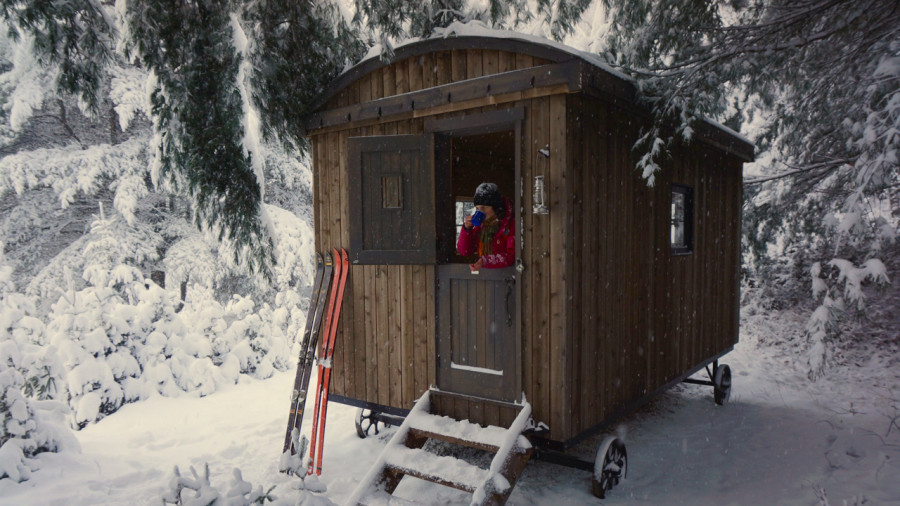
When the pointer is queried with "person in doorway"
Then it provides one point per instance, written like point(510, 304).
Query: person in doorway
point(494, 237)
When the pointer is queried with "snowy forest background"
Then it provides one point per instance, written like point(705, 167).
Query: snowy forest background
point(156, 222)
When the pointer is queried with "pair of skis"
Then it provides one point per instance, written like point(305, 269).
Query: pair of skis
point(317, 441)
point(331, 277)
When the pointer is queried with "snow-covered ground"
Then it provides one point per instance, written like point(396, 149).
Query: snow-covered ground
point(781, 440)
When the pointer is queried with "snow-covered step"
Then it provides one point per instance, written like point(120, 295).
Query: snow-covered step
point(404, 456)
point(447, 471)
point(461, 432)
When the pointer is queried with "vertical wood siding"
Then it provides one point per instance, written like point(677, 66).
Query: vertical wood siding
point(609, 315)
point(644, 317)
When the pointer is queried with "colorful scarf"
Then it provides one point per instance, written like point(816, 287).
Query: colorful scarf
point(489, 229)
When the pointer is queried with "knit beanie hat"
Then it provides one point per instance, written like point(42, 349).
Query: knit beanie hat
point(487, 194)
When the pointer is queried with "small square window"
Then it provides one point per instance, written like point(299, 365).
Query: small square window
point(391, 192)
point(464, 207)
point(682, 219)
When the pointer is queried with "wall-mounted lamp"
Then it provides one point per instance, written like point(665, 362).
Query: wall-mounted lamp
point(539, 199)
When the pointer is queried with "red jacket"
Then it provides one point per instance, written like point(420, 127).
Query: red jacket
point(503, 247)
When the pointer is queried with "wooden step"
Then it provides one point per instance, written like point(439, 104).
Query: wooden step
point(447, 471)
point(458, 432)
point(404, 456)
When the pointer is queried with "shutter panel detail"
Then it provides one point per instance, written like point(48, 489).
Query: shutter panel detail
point(391, 188)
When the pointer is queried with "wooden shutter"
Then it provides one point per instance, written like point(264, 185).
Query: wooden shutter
point(391, 200)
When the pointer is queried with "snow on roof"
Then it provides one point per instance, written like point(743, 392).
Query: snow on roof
point(479, 29)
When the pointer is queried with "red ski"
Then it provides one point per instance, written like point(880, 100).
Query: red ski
point(317, 442)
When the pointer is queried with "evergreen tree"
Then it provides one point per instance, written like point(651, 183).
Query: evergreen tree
point(818, 82)
point(204, 145)
point(297, 48)
point(76, 36)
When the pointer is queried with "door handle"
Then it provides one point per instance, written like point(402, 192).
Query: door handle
point(510, 282)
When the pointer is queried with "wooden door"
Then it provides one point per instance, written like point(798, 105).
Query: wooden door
point(478, 348)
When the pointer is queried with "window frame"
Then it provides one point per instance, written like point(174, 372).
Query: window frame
point(687, 247)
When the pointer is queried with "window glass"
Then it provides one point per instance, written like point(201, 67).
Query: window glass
point(677, 219)
point(681, 218)
point(464, 207)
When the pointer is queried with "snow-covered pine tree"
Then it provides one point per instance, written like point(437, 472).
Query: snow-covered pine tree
point(206, 144)
point(75, 36)
point(28, 425)
point(389, 22)
point(819, 81)
point(298, 47)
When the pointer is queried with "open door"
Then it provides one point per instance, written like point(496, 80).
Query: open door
point(479, 347)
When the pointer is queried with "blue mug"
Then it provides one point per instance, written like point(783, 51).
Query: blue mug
point(477, 218)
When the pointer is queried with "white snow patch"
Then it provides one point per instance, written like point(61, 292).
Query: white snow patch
point(471, 368)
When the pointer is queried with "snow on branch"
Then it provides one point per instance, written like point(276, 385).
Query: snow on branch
point(70, 170)
point(822, 325)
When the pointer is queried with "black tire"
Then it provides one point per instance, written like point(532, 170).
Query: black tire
point(722, 384)
point(367, 423)
point(610, 466)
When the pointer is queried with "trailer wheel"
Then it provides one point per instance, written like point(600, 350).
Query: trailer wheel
point(722, 384)
point(367, 423)
point(610, 466)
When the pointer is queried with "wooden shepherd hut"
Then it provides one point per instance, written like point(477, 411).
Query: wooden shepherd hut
point(618, 291)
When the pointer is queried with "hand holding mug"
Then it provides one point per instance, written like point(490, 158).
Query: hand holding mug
point(476, 219)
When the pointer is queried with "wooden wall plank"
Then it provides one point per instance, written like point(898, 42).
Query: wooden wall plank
point(706, 256)
point(416, 73)
point(458, 65)
point(407, 335)
point(540, 269)
point(388, 81)
point(430, 273)
point(382, 335)
point(525, 239)
point(524, 61)
point(490, 62)
point(660, 278)
point(576, 246)
point(506, 61)
point(342, 356)
point(601, 300)
point(559, 284)
point(491, 414)
point(474, 63)
point(691, 279)
point(357, 288)
point(429, 70)
point(615, 365)
point(370, 307)
point(402, 72)
point(478, 340)
point(588, 261)
point(420, 322)
point(393, 334)
point(443, 68)
point(365, 89)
